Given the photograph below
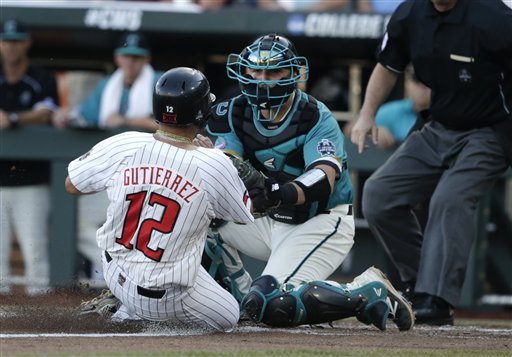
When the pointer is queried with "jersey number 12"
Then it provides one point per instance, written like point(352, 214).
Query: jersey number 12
point(147, 226)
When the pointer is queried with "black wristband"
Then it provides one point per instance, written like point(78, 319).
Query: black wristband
point(289, 194)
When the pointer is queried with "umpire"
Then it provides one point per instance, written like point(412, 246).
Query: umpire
point(462, 50)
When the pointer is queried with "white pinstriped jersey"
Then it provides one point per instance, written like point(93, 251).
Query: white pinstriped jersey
point(162, 199)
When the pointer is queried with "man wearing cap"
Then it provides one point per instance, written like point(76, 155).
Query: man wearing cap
point(122, 99)
point(28, 96)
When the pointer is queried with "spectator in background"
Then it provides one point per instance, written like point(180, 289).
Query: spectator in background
point(28, 96)
point(123, 99)
point(395, 119)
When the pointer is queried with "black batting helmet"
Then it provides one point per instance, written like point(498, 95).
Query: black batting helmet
point(182, 97)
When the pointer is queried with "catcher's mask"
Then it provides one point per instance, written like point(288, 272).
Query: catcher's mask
point(182, 97)
point(269, 52)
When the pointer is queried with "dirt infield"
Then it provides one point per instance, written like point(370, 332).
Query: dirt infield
point(47, 325)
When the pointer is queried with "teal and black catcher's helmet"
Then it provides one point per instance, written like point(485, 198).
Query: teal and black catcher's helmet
point(269, 52)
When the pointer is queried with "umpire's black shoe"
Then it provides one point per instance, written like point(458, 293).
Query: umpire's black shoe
point(432, 310)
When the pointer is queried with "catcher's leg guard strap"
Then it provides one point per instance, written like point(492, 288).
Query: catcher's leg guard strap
point(226, 267)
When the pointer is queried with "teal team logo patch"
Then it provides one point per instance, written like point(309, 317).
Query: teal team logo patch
point(326, 147)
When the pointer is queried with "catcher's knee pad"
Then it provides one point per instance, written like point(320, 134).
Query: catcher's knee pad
point(262, 289)
point(266, 303)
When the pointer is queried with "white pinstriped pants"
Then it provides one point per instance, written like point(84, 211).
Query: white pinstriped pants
point(204, 305)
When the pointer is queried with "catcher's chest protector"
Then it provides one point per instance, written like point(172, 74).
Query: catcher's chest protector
point(304, 118)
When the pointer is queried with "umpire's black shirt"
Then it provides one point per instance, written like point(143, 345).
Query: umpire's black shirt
point(464, 55)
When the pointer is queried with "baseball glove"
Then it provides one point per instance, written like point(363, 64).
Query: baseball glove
point(256, 185)
point(251, 177)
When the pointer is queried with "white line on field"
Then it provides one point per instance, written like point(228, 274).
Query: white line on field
point(242, 329)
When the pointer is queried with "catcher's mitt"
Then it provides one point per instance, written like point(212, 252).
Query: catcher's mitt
point(251, 177)
point(256, 185)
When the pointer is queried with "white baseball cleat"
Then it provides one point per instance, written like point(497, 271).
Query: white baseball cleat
point(400, 308)
point(105, 305)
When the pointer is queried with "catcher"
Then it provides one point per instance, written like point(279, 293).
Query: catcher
point(288, 149)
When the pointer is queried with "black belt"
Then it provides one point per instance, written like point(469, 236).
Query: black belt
point(108, 257)
point(349, 213)
point(155, 294)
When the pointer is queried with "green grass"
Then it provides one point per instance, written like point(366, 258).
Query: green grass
point(385, 352)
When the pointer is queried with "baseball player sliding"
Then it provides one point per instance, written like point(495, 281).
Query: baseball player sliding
point(164, 190)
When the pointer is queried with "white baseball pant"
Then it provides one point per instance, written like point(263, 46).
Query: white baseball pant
point(24, 211)
point(205, 304)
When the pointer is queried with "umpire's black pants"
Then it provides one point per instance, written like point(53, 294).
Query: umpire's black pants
point(452, 169)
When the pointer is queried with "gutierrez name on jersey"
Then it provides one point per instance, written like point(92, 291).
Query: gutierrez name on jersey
point(157, 175)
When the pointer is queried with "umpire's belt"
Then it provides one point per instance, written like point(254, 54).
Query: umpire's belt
point(155, 294)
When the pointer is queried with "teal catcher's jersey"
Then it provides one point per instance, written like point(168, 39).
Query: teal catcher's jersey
point(307, 137)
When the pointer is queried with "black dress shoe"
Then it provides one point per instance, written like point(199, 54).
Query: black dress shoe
point(432, 310)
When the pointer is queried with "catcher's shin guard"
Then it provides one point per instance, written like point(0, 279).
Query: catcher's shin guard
point(326, 302)
point(312, 303)
point(224, 265)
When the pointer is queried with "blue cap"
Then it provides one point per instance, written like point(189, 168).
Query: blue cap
point(133, 44)
point(13, 30)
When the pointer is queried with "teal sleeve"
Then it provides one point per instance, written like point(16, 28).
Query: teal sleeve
point(325, 139)
point(398, 117)
point(90, 108)
point(385, 116)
